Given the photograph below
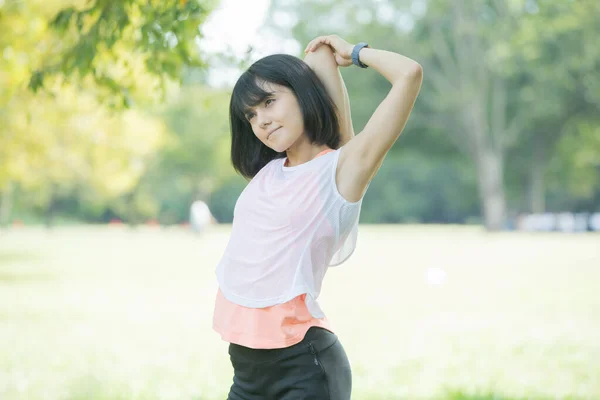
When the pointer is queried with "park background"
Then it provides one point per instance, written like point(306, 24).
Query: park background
point(114, 120)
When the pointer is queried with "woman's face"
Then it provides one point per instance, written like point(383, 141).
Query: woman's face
point(277, 121)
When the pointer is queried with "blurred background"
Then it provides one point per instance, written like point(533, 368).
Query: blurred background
point(478, 243)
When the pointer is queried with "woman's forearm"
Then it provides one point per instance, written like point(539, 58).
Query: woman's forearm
point(323, 64)
point(348, 132)
point(392, 66)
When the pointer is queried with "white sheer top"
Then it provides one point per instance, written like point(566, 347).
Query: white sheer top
point(289, 225)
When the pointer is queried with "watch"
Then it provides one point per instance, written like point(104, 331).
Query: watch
point(355, 60)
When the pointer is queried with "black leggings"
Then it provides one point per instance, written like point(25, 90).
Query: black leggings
point(315, 368)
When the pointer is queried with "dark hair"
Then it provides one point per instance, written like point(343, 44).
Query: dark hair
point(321, 125)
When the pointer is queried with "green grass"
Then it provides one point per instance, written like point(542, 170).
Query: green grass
point(95, 313)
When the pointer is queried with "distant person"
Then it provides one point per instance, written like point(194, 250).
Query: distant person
point(292, 137)
point(200, 216)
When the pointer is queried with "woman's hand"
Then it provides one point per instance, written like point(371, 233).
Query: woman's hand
point(342, 50)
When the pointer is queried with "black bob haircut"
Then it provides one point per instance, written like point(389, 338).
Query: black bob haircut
point(321, 125)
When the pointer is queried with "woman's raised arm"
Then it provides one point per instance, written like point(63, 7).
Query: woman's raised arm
point(362, 157)
point(323, 63)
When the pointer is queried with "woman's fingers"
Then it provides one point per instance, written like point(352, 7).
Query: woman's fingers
point(309, 46)
point(341, 61)
point(338, 45)
point(315, 43)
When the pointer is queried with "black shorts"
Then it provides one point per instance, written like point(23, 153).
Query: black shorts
point(315, 368)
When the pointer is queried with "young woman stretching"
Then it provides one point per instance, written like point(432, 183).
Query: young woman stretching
point(292, 137)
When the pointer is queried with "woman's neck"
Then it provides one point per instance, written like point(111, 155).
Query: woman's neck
point(301, 153)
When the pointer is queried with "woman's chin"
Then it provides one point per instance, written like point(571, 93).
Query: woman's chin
point(278, 146)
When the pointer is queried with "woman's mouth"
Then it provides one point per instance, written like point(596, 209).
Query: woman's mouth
point(273, 132)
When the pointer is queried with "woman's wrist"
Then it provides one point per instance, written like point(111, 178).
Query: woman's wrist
point(392, 66)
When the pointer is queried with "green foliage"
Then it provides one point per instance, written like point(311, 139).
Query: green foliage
point(74, 140)
point(162, 33)
point(222, 201)
point(553, 59)
point(195, 159)
point(411, 188)
point(576, 162)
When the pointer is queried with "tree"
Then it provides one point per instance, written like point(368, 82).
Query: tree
point(520, 73)
point(72, 141)
point(91, 59)
point(555, 59)
point(461, 40)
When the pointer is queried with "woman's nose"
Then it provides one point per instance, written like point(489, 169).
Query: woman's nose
point(263, 121)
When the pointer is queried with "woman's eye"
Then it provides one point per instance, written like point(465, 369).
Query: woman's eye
point(269, 101)
point(249, 116)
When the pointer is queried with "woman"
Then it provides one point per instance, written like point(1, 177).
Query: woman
point(292, 137)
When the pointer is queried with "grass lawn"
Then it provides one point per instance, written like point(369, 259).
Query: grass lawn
point(109, 313)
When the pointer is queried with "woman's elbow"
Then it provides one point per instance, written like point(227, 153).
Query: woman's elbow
point(415, 72)
point(409, 74)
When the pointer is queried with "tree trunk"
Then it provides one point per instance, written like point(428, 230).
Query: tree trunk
point(6, 204)
point(49, 214)
point(491, 189)
point(482, 104)
point(489, 159)
point(537, 190)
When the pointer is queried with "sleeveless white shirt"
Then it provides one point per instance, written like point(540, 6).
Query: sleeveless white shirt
point(289, 225)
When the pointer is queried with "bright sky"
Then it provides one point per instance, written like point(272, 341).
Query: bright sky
point(235, 25)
